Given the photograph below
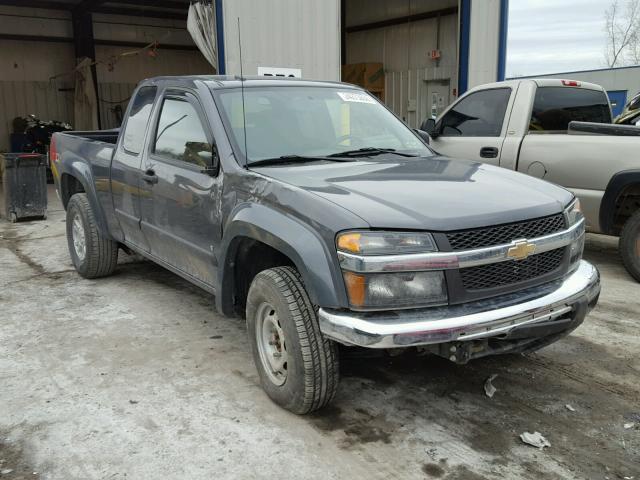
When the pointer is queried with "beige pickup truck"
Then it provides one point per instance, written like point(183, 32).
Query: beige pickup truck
point(558, 130)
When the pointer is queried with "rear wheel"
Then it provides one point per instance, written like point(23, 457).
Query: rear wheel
point(92, 254)
point(630, 245)
point(298, 367)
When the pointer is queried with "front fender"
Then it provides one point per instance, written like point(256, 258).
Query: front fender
point(314, 256)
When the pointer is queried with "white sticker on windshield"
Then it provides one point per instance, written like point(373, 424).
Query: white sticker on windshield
point(360, 97)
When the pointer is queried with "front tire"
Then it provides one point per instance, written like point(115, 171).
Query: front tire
point(298, 367)
point(92, 254)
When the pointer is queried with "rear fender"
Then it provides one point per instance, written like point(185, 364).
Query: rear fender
point(80, 170)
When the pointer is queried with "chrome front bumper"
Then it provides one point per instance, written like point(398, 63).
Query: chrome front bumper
point(571, 297)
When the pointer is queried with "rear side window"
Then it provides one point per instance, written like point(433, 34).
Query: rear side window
point(479, 114)
point(555, 107)
point(138, 119)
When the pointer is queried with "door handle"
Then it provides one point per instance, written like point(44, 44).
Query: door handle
point(488, 152)
point(150, 176)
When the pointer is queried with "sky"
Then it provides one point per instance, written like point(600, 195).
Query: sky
point(552, 36)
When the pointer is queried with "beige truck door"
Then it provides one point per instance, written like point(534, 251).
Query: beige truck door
point(581, 163)
point(472, 128)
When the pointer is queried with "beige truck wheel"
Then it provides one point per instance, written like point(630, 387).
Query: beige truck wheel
point(630, 245)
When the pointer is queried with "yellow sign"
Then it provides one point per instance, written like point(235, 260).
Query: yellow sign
point(521, 249)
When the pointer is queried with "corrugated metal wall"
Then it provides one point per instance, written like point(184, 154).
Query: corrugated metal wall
point(25, 69)
point(368, 11)
point(45, 100)
point(484, 42)
point(114, 98)
point(404, 51)
point(27, 66)
point(302, 34)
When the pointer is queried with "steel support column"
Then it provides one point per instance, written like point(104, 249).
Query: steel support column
point(84, 45)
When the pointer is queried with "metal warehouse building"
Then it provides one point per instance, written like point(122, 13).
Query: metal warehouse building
point(429, 51)
point(621, 83)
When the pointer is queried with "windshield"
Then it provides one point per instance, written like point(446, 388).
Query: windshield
point(312, 121)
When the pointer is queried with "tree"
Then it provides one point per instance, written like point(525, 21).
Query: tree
point(622, 25)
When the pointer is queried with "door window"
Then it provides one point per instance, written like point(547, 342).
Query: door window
point(180, 134)
point(479, 114)
point(138, 119)
point(555, 107)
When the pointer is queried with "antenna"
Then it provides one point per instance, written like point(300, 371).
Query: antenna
point(244, 115)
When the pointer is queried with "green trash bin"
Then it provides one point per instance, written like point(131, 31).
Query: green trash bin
point(24, 184)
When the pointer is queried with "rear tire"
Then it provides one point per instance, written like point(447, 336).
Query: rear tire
point(298, 367)
point(92, 254)
point(630, 245)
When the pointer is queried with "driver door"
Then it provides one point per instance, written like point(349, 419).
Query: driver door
point(181, 205)
point(473, 129)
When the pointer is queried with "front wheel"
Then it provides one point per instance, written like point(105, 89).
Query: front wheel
point(630, 245)
point(298, 367)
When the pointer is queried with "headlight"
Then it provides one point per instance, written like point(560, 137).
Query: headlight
point(385, 243)
point(380, 291)
point(574, 214)
point(395, 290)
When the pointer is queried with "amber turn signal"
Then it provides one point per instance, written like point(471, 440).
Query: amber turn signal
point(356, 288)
point(349, 242)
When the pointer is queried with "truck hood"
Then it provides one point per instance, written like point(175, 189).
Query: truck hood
point(433, 193)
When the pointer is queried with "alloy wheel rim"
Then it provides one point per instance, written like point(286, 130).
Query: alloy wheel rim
point(78, 237)
point(272, 346)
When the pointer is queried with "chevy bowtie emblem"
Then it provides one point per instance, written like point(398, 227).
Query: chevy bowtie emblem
point(520, 250)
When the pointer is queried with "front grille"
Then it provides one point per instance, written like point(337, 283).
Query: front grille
point(511, 271)
point(501, 234)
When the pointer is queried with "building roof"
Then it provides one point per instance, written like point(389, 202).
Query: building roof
point(578, 71)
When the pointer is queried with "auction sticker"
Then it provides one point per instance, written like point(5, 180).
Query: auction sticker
point(359, 97)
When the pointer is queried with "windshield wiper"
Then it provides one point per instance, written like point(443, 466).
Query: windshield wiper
point(295, 159)
point(370, 152)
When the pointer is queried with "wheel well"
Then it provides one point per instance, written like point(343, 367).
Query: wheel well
point(627, 203)
point(251, 257)
point(69, 186)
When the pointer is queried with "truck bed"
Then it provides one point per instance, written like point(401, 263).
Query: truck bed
point(91, 152)
point(107, 136)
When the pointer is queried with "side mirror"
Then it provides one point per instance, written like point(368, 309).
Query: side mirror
point(429, 126)
point(212, 162)
point(423, 135)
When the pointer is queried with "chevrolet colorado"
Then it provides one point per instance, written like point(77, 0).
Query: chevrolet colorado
point(556, 130)
point(315, 213)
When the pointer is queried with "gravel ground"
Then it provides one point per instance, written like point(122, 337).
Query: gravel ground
point(135, 376)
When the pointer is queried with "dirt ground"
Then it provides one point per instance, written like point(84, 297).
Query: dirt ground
point(135, 376)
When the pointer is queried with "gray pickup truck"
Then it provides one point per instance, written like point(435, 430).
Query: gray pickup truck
point(319, 216)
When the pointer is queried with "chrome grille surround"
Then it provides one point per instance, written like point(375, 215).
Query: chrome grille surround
point(416, 262)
